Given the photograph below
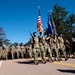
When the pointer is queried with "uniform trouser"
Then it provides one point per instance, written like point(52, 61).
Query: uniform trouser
point(6, 54)
point(74, 54)
point(22, 53)
point(55, 50)
point(17, 52)
point(49, 52)
point(12, 54)
point(68, 52)
point(30, 53)
point(62, 48)
point(38, 52)
point(0, 54)
point(35, 53)
point(42, 52)
point(63, 52)
point(73, 49)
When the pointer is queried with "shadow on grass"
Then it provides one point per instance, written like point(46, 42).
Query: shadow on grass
point(66, 71)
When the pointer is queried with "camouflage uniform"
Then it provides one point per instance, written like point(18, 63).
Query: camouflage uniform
point(73, 46)
point(67, 46)
point(22, 51)
point(18, 50)
point(6, 51)
point(12, 51)
point(30, 51)
point(4, 54)
point(49, 43)
point(35, 47)
point(26, 51)
point(0, 52)
point(42, 49)
point(62, 46)
point(48, 50)
point(55, 47)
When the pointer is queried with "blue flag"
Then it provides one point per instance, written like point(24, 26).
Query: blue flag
point(53, 24)
point(50, 30)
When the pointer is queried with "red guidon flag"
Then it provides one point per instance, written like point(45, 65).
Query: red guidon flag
point(39, 22)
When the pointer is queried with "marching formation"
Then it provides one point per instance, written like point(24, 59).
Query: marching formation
point(12, 51)
point(54, 47)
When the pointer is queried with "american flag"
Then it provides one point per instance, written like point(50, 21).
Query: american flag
point(39, 22)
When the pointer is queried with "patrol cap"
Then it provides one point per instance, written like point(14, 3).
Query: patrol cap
point(34, 33)
point(60, 33)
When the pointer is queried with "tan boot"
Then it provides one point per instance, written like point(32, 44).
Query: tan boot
point(36, 62)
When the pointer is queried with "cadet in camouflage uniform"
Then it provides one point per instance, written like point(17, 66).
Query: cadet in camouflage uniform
point(55, 47)
point(49, 42)
point(18, 50)
point(73, 46)
point(42, 49)
point(62, 46)
point(30, 51)
point(67, 46)
point(0, 52)
point(4, 54)
point(12, 51)
point(35, 47)
point(22, 50)
point(7, 51)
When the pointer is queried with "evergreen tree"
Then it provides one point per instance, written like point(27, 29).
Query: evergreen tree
point(63, 21)
point(2, 36)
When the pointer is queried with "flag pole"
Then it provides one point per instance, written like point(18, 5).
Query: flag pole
point(54, 27)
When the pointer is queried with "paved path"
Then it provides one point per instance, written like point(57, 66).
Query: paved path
point(0, 63)
point(27, 67)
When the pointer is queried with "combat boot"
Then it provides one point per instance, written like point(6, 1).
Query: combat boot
point(44, 61)
point(30, 57)
point(36, 62)
point(66, 59)
point(74, 55)
point(6, 58)
point(12, 58)
point(18, 57)
point(50, 60)
point(55, 59)
point(22, 55)
point(59, 59)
